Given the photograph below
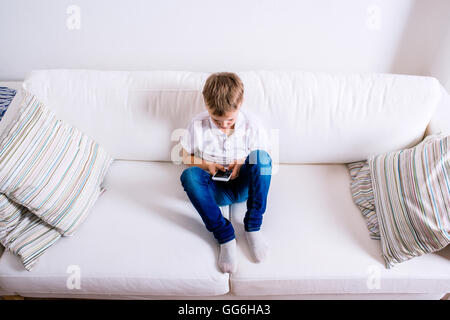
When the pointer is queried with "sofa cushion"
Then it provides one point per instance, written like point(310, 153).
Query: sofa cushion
point(439, 123)
point(50, 167)
point(412, 199)
point(335, 118)
point(6, 96)
point(54, 171)
point(14, 106)
point(319, 243)
point(143, 237)
point(23, 233)
point(362, 191)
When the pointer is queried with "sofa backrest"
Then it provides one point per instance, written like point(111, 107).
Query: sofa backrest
point(310, 117)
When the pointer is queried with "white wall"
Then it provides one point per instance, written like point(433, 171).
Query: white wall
point(213, 35)
point(425, 43)
point(440, 67)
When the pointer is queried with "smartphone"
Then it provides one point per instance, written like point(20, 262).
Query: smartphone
point(222, 175)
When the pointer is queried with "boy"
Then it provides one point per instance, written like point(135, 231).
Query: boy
point(223, 137)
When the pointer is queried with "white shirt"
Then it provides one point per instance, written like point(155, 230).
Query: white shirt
point(205, 140)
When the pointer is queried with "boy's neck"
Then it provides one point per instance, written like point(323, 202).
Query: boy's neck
point(228, 132)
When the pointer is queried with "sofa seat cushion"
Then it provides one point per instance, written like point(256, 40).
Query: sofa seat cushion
point(143, 237)
point(319, 243)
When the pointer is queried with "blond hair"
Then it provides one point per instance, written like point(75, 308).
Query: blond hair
point(223, 92)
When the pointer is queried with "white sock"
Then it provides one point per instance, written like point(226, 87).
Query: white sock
point(227, 257)
point(258, 246)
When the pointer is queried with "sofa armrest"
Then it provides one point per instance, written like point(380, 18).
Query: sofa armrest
point(440, 122)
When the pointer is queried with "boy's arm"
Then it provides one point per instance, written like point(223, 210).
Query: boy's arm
point(191, 161)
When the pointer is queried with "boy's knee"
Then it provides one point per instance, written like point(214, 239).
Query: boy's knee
point(260, 157)
point(192, 175)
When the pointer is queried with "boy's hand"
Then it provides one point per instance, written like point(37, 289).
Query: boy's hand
point(213, 167)
point(235, 166)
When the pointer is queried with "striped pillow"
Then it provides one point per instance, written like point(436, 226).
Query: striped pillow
point(6, 96)
point(411, 189)
point(362, 192)
point(53, 170)
point(23, 233)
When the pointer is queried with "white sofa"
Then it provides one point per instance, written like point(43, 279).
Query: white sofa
point(144, 239)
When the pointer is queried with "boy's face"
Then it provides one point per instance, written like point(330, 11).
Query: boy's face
point(226, 121)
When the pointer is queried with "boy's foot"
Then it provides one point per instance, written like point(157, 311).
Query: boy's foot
point(228, 257)
point(258, 246)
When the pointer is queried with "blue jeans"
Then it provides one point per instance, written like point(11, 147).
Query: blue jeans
point(252, 184)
